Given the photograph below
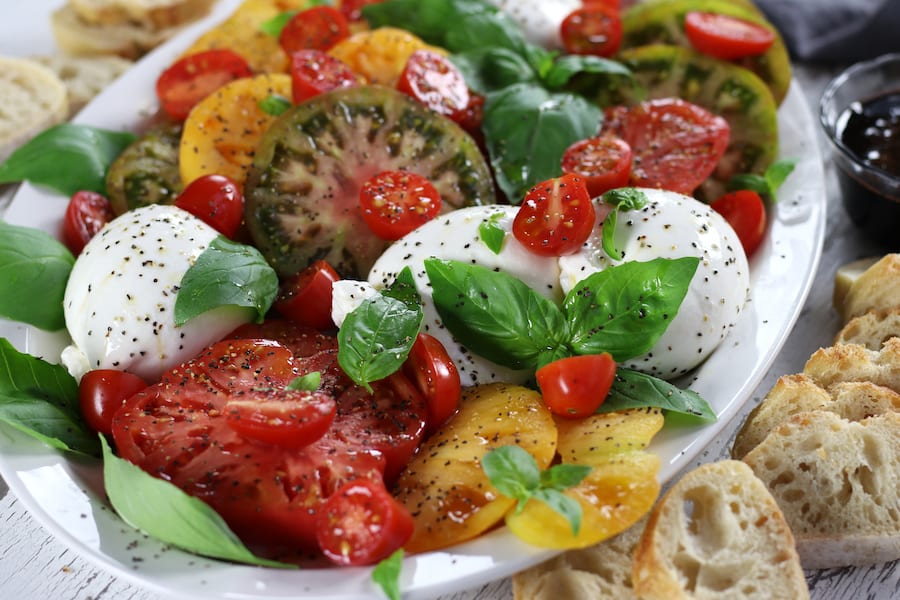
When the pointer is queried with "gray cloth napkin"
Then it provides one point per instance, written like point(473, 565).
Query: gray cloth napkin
point(836, 30)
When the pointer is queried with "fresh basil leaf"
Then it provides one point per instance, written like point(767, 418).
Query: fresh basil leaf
point(494, 314)
point(276, 24)
point(306, 383)
point(41, 399)
point(226, 274)
point(777, 173)
point(429, 20)
point(386, 575)
point(403, 288)
point(748, 181)
point(564, 476)
point(608, 234)
point(376, 337)
point(163, 511)
point(274, 105)
point(619, 199)
point(626, 308)
point(66, 158)
point(34, 269)
point(484, 30)
point(513, 471)
point(491, 234)
point(568, 507)
point(567, 66)
point(490, 69)
point(527, 129)
point(633, 389)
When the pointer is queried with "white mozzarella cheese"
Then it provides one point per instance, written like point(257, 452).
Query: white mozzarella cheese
point(539, 19)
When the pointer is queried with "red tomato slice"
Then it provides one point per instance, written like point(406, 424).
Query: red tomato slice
point(352, 9)
point(745, 211)
point(86, 214)
point(575, 387)
point(216, 200)
point(556, 216)
point(288, 418)
point(315, 72)
point(436, 377)
point(316, 28)
point(604, 163)
point(676, 144)
point(194, 77)
point(102, 392)
point(305, 298)
point(593, 29)
point(393, 203)
point(726, 37)
point(434, 81)
point(362, 524)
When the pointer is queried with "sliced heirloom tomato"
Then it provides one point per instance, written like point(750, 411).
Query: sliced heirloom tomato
point(556, 216)
point(102, 392)
point(437, 83)
point(393, 203)
point(287, 418)
point(726, 37)
point(194, 77)
point(433, 372)
point(381, 54)
point(603, 162)
point(362, 524)
point(305, 298)
point(86, 214)
point(745, 211)
point(593, 29)
point(316, 28)
point(576, 386)
point(216, 200)
point(315, 72)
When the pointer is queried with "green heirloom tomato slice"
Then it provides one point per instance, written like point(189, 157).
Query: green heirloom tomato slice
point(146, 172)
point(302, 192)
point(723, 88)
point(662, 22)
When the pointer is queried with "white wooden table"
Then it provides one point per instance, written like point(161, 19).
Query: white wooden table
point(34, 566)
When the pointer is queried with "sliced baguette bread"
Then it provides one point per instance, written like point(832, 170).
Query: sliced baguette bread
point(128, 40)
point(32, 98)
point(157, 14)
point(836, 482)
point(718, 533)
point(84, 77)
point(871, 329)
point(877, 288)
point(853, 362)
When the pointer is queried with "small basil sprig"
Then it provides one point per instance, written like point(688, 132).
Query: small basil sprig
point(67, 158)
point(226, 274)
point(491, 234)
point(619, 199)
point(633, 389)
point(34, 269)
point(163, 511)
point(274, 105)
point(766, 184)
point(515, 474)
point(306, 383)
point(275, 25)
point(386, 575)
point(41, 400)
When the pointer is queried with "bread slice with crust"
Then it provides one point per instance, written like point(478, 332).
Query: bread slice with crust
point(32, 98)
point(877, 288)
point(157, 14)
point(84, 76)
point(718, 533)
point(128, 40)
point(871, 329)
point(836, 482)
point(853, 362)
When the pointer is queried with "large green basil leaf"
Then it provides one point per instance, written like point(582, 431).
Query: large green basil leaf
point(625, 309)
point(34, 269)
point(491, 69)
point(226, 274)
point(430, 20)
point(591, 70)
point(633, 389)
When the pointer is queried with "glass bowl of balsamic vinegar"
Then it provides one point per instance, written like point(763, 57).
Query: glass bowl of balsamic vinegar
point(860, 113)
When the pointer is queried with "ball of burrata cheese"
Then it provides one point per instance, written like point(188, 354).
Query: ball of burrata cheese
point(119, 302)
point(673, 225)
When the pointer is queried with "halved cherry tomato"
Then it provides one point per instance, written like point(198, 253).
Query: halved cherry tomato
point(316, 28)
point(196, 76)
point(676, 144)
point(393, 203)
point(726, 37)
point(434, 373)
point(315, 72)
point(216, 200)
point(611, 4)
point(576, 386)
point(604, 163)
point(305, 298)
point(286, 418)
point(556, 216)
point(352, 9)
point(745, 211)
point(102, 392)
point(595, 29)
point(361, 524)
point(436, 82)
point(86, 214)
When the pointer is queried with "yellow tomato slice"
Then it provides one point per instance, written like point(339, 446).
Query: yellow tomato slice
point(380, 54)
point(593, 439)
point(222, 132)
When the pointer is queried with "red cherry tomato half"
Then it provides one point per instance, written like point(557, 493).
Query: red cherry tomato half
point(362, 524)
point(393, 203)
point(604, 163)
point(86, 214)
point(100, 394)
point(435, 375)
point(725, 37)
point(287, 418)
point(745, 211)
point(216, 200)
point(556, 216)
point(305, 298)
point(316, 28)
point(575, 387)
point(194, 77)
point(594, 29)
point(610, 4)
point(352, 9)
point(315, 72)
point(434, 81)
